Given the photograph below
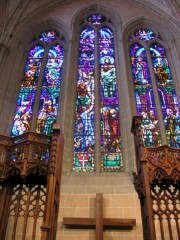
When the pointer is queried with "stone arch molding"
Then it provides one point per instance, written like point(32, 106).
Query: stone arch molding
point(96, 8)
point(22, 42)
point(164, 30)
point(167, 35)
point(75, 26)
point(25, 36)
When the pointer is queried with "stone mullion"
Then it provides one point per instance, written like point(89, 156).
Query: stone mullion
point(61, 83)
point(157, 100)
point(38, 93)
point(97, 105)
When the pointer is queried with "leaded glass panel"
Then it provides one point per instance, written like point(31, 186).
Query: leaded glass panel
point(50, 90)
point(33, 80)
point(102, 74)
point(25, 104)
point(144, 34)
point(163, 83)
point(84, 121)
point(111, 154)
point(167, 94)
point(144, 95)
point(48, 36)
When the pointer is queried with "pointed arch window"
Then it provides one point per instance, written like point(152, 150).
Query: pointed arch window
point(38, 100)
point(97, 125)
point(152, 77)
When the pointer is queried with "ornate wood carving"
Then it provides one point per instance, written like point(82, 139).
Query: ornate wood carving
point(24, 156)
point(30, 173)
point(163, 162)
point(157, 183)
point(26, 206)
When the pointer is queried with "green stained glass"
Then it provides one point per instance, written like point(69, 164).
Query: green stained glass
point(85, 119)
point(32, 80)
point(26, 98)
point(110, 123)
point(167, 94)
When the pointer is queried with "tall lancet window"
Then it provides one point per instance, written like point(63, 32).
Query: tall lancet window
point(152, 77)
point(97, 125)
point(38, 100)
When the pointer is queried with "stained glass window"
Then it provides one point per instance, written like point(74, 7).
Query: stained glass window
point(50, 90)
point(100, 73)
point(144, 95)
point(35, 77)
point(25, 104)
point(48, 36)
point(145, 84)
point(110, 125)
point(84, 123)
point(144, 34)
point(167, 94)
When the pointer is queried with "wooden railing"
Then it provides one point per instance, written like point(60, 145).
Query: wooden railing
point(24, 155)
point(30, 175)
point(157, 182)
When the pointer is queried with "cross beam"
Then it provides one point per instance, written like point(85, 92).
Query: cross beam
point(99, 222)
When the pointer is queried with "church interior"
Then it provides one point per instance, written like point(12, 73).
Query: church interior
point(89, 119)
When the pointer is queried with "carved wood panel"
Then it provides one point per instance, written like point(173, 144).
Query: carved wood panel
point(26, 211)
point(166, 209)
point(157, 183)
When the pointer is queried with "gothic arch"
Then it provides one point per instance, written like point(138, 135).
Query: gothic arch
point(161, 36)
point(96, 8)
point(166, 30)
point(116, 26)
point(22, 42)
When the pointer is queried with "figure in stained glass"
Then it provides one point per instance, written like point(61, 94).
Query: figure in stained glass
point(51, 81)
point(84, 135)
point(84, 120)
point(49, 99)
point(108, 75)
point(141, 73)
point(144, 94)
point(160, 69)
point(170, 108)
point(26, 98)
point(31, 75)
point(170, 123)
point(146, 103)
point(110, 124)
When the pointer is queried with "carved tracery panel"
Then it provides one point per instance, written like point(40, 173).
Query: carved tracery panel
point(166, 207)
point(26, 212)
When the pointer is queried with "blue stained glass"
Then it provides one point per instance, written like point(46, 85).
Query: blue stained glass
point(96, 19)
point(144, 34)
point(49, 99)
point(144, 95)
point(167, 94)
point(84, 135)
point(111, 153)
point(48, 36)
point(50, 90)
point(25, 103)
point(86, 48)
point(84, 122)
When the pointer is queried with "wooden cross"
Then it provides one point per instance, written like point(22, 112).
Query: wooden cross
point(99, 222)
